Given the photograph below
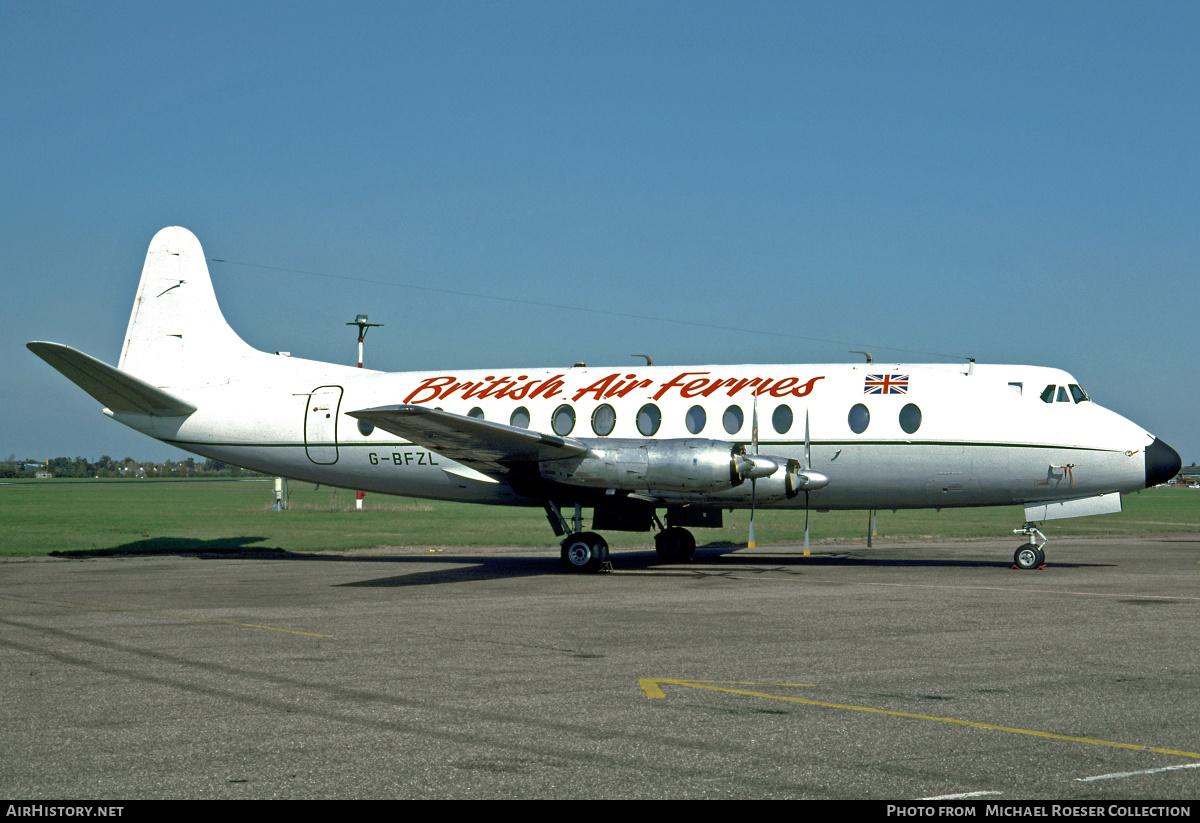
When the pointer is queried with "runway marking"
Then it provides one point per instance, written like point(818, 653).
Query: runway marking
point(221, 620)
point(650, 685)
point(168, 614)
point(1116, 775)
point(1039, 591)
point(963, 796)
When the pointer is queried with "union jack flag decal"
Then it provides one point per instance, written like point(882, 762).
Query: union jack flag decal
point(886, 384)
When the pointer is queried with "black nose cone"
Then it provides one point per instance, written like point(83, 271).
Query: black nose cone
point(1162, 463)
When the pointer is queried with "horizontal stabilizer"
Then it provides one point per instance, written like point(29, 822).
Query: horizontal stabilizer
point(490, 447)
point(119, 391)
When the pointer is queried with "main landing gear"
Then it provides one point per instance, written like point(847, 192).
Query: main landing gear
point(1031, 555)
point(585, 552)
point(588, 551)
point(581, 551)
point(674, 544)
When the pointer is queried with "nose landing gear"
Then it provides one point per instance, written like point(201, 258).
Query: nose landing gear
point(1031, 555)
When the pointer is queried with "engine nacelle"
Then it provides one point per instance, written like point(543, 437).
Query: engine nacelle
point(684, 465)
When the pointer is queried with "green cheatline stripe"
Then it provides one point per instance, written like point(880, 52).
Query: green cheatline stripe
point(376, 445)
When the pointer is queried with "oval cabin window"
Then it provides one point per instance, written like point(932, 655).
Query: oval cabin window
point(603, 420)
point(781, 419)
point(910, 418)
point(733, 419)
point(859, 418)
point(649, 418)
point(563, 420)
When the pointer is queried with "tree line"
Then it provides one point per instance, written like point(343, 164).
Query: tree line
point(106, 466)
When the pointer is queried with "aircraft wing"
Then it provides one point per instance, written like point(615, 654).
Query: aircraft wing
point(119, 391)
point(492, 448)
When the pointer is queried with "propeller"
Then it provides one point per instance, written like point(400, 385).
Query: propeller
point(797, 478)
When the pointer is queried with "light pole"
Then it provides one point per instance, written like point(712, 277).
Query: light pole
point(363, 325)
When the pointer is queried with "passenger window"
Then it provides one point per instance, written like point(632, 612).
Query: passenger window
point(782, 419)
point(696, 418)
point(733, 419)
point(1048, 394)
point(1062, 395)
point(603, 420)
point(649, 418)
point(1078, 393)
point(365, 428)
point(563, 420)
point(910, 418)
point(859, 418)
point(520, 418)
point(476, 412)
point(1017, 387)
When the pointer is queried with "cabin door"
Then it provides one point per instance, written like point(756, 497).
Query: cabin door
point(320, 424)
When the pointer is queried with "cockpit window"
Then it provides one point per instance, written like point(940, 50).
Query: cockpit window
point(1062, 395)
point(1078, 393)
point(1048, 394)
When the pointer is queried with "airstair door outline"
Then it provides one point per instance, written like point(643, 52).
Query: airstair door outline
point(320, 424)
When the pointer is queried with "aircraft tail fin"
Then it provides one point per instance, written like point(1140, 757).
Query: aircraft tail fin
point(117, 390)
point(177, 335)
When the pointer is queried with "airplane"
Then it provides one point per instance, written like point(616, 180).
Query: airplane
point(626, 442)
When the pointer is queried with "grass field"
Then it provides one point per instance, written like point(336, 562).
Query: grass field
point(98, 516)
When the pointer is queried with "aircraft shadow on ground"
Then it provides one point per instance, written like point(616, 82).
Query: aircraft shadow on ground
point(469, 566)
point(182, 546)
point(707, 562)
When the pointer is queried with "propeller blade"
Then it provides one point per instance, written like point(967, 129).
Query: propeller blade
point(806, 524)
point(807, 468)
point(753, 487)
point(754, 424)
point(807, 443)
point(753, 477)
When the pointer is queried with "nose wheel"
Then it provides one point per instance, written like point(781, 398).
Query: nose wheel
point(1031, 555)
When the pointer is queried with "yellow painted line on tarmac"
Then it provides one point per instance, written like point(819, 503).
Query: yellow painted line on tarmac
point(651, 688)
point(226, 622)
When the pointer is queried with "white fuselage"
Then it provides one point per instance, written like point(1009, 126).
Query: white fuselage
point(976, 434)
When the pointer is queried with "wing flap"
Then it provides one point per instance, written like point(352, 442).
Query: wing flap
point(119, 391)
point(492, 448)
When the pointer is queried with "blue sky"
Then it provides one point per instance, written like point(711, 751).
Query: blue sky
point(1011, 181)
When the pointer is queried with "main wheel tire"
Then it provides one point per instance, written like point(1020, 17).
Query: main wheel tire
point(584, 552)
point(674, 545)
point(1028, 557)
